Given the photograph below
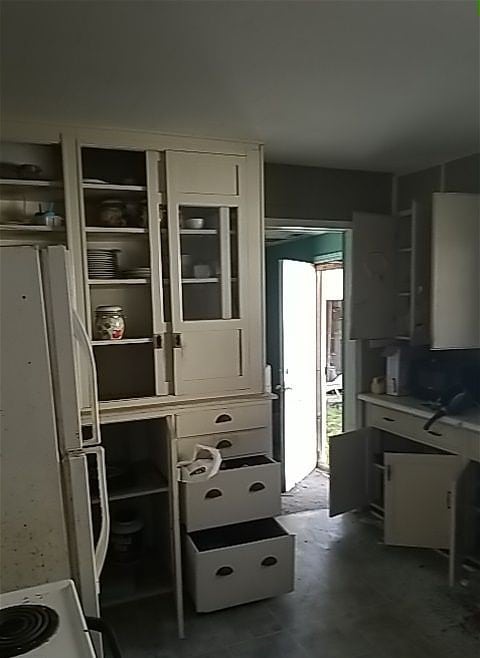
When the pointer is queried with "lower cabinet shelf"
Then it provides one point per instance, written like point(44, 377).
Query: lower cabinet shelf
point(145, 480)
point(122, 583)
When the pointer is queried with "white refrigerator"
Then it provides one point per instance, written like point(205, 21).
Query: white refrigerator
point(46, 523)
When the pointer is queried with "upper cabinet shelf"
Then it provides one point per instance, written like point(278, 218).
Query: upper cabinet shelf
point(114, 230)
point(198, 231)
point(31, 228)
point(113, 187)
point(21, 182)
point(30, 190)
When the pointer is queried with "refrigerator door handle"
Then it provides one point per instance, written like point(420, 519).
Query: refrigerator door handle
point(84, 341)
point(102, 544)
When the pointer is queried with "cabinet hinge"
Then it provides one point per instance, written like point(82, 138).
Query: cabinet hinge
point(389, 472)
point(449, 500)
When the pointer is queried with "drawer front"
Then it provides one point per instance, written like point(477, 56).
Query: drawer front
point(240, 574)
point(441, 436)
point(221, 420)
point(231, 444)
point(233, 496)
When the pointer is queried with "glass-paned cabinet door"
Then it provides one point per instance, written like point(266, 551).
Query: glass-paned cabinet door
point(122, 195)
point(208, 264)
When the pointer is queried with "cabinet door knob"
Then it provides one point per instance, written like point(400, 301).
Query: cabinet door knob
point(213, 493)
point(269, 561)
point(224, 571)
point(224, 443)
point(256, 486)
point(223, 418)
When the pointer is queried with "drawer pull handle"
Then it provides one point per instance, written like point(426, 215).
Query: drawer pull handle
point(256, 486)
point(224, 443)
point(389, 420)
point(269, 561)
point(434, 433)
point(224, 571)
point(223, 418)
point(213, 493)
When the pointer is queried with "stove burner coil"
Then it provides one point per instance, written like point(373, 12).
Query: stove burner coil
point(24, 628)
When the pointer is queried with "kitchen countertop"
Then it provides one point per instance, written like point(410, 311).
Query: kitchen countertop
point(116, 411)
point(470, 420)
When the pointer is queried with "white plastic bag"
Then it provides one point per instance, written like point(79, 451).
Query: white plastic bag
point(199, 469)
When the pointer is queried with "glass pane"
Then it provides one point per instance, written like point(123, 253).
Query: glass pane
point(113, 182)
point(201, 262)
point(167, 312)
point(235, 282)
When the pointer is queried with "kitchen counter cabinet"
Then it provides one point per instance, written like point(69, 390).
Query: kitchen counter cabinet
point(424, 484)
point(469, 420)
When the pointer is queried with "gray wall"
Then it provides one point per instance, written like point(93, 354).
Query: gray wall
point(294, 192)
point(461, 175)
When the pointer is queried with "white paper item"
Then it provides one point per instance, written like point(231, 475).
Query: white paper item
point(199, 469)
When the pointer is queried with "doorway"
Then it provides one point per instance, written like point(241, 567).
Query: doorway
point(330, 322)
point(305, 350)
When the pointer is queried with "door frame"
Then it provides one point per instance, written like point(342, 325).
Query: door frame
point(322, 403)
point(352, 352)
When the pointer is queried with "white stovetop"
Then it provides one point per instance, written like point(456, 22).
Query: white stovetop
point(71, 639)
point(470, 420)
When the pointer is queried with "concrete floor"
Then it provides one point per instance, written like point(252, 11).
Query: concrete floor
point(309, 494)
point(354, 598)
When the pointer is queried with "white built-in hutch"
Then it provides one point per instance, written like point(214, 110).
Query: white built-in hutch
point(190, 366)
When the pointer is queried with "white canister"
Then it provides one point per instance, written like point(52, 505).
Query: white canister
point(377, 386)
point(187, 264)
point(202, 271)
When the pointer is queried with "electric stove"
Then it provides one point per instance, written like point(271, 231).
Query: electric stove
point(44, 622)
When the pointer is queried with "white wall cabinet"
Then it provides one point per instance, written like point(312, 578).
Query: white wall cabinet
point(416, 278)
point(390, 280)
point(191, 216)
point(455, 271)
point(206, 217)
point(373, 276)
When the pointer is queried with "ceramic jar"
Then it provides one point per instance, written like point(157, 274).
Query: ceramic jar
point(112, 213)
point(109, 323)
point(126, 537)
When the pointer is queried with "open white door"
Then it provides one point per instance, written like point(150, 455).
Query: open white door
point(298, 369)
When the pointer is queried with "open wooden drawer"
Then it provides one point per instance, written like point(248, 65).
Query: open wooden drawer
point(239, 563)
point(246, 488)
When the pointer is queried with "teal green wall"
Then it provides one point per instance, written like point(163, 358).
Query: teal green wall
point(309, 250)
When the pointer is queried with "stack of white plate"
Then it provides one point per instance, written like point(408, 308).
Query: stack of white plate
point(102, 263)
point(137, 273)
